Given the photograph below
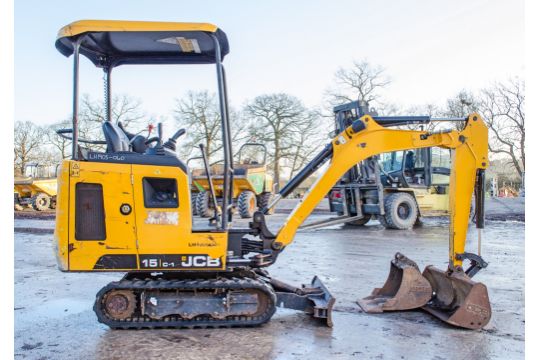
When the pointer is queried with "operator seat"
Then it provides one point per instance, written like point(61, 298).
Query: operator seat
point(409, 164)
point(116, 139)
point(137, 141)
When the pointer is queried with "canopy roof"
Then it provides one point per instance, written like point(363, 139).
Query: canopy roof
point(113, 42)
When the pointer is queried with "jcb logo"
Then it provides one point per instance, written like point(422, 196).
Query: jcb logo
point(179, 261)
point(202, 261)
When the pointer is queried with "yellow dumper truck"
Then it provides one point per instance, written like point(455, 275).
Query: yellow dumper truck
point(36, 188)
point(252, 186)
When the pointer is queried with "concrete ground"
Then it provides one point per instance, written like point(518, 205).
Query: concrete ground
point(54, 317)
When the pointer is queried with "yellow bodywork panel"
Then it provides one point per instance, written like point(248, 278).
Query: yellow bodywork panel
point(255, 179)
point(137, 236)
point(429, 202)
point(120, 229)
point(83, 26)
point(31, 187)
point(239, 184)
point(61, 230)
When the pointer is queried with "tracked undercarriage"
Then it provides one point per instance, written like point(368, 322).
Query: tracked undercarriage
point(180, 300)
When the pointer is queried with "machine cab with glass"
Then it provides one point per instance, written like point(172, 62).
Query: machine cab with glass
point(417, 168)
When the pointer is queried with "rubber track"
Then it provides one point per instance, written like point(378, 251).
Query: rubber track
point(202, 321)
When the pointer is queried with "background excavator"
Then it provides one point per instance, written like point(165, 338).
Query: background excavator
point(128, 209)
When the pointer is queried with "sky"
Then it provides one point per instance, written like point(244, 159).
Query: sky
point(430, 50)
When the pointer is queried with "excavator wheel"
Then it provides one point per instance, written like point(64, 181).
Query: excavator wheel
point(401, 211)
point(263, 200)
point(247, 204)
point(203, 204)
point(41, 202)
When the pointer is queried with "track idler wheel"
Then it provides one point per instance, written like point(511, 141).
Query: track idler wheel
point(404, 289)
point(119, 304)
point(458, 300)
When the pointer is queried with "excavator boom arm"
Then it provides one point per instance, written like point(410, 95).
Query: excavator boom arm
point(362, 140)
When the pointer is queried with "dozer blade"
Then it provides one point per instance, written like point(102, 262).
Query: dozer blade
point(404, 289)
point(313, 299)
point(458, 300)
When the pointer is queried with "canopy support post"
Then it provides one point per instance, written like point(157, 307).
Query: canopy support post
point(107, 89)
point(75, 120)
point(227, 158)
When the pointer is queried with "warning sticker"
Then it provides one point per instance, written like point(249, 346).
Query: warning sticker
point(75, 169)
point(155, 217)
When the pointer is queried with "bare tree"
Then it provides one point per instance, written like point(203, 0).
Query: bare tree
point(199, 113)
point(27, 141)
point(123, 108)
point(461, 105)
point(62, 146)
point(362, 82)
point(92, 114)
point(305, 145)
point(503, 108)
point(286, 126)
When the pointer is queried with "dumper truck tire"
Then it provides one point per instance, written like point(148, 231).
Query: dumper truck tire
point(400, 210)
point(203, 204)
point(194, 203)
point(247, 204)
point(17, 203)
point(41, 202)
point(263, 200)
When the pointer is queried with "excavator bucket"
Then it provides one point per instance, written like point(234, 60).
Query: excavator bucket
point(404, 289)
point(458, 300)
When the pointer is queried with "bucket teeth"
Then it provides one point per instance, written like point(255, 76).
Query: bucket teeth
point(458, 300)
point(404, 289)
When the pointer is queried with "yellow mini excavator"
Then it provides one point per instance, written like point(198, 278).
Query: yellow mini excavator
point(128, 209)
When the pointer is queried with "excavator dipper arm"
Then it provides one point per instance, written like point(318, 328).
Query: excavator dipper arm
point(366, 138)
point(449, 295)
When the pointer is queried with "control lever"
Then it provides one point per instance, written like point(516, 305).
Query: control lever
point(160, 133)
point(217, 211)
point(171, 143)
